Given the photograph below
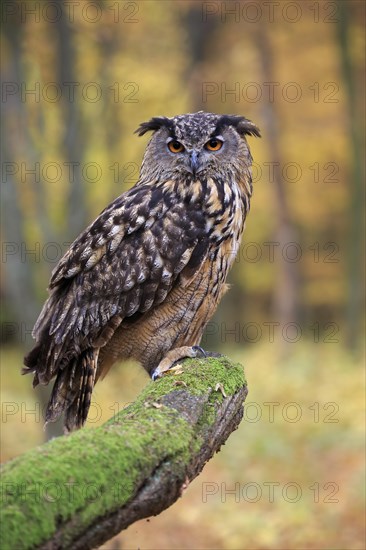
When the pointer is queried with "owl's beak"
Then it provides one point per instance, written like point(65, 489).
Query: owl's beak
point(194, 162)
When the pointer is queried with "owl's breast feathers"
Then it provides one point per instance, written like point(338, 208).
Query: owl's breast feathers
point(128, 259)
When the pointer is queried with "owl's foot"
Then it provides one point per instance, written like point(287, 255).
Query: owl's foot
point(175, 355)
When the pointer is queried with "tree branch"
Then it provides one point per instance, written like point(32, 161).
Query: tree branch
point(80, 490)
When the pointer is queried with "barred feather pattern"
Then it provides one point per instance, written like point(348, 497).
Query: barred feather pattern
point(147, 275)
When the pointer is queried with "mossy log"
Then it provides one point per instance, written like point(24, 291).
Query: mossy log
point(78, 491)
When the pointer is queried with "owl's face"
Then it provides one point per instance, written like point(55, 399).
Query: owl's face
point(196, 145)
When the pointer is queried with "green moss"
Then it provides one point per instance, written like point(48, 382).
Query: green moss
point(79, 477)
point(200, 375)
point(54, 483)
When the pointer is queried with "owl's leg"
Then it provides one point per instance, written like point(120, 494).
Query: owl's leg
point(175, 355)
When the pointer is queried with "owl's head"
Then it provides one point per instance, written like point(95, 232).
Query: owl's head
point(196, 144)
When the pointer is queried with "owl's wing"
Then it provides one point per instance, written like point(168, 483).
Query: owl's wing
point(124, 263)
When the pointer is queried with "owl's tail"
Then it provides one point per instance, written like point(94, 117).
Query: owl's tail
point(72, 390)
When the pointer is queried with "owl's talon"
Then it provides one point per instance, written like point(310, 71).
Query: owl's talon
point(200, 352)
point(155, 375)
point(175, 355)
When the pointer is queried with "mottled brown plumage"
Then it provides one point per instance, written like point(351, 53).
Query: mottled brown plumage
point(145, 277)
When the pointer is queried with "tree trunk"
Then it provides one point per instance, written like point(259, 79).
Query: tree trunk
point(286, 293)
point(356, 230)
point(80, 490)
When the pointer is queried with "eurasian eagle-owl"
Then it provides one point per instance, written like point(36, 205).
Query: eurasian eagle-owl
point(146, 276)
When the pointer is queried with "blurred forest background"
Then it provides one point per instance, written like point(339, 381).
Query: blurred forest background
point(77, 79)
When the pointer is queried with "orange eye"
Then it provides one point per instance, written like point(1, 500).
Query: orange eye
point(175, 146)
point(214, 144)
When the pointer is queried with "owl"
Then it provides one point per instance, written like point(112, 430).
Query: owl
point(146, 276)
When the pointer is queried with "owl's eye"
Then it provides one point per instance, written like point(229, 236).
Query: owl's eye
point(214, 144)
point(175, 146)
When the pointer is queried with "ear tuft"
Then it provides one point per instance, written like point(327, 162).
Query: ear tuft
point(246, 127)
point(154, 124)
point(241, 124)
